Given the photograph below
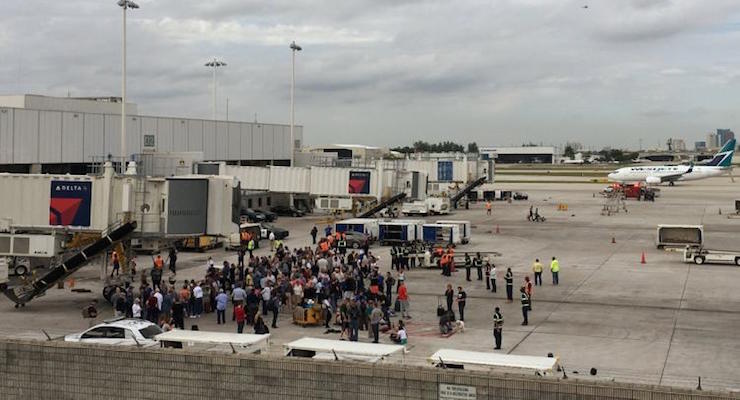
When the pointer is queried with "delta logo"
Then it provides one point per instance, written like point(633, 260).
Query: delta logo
point(69, 204)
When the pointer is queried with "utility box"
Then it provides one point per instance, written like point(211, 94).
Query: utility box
point(42, 246)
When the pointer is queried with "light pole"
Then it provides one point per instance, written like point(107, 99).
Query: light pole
point(125, 5)
point(215, 63)
point(295, 48)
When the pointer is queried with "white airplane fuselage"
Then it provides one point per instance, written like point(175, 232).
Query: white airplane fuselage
point(658, 173)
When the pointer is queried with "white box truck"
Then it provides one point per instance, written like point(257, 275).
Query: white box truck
point(464, 229)
point(430, 206)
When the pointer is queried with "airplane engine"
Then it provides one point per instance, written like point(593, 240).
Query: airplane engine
point(652, 180)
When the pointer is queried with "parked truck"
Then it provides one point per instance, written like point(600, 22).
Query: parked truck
point(701, 255)
point(430, 206)
point(679, 236)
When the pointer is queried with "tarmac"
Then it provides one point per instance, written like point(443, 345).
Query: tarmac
point(663, 322)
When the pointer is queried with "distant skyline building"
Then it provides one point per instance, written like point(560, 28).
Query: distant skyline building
point(723, 136)
point(700, 145)
point(711, 142)
point(676, 144)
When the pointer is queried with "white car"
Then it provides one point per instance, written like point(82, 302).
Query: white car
point(122, 331)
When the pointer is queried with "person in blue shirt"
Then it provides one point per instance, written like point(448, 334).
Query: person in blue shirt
point(221, 300)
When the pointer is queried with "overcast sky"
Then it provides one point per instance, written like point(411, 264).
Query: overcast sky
point(389, 72)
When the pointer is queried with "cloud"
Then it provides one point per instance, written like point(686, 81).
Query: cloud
point(393, 71)
point(232, 32)
point(641, 20)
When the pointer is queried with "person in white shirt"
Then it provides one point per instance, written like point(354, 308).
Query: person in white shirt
point(136, 309)
point(272, 240)
point(198, 296)
point(266, 296)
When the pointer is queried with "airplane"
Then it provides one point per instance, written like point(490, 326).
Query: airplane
point(719, 165)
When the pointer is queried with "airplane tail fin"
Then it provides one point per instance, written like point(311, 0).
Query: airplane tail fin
point(724, 157)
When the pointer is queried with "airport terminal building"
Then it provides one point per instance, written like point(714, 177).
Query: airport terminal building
point(43, 134)
point(519, 155)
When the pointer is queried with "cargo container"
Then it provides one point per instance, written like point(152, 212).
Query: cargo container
point(399, 231)
point(465, 231)
point(363, 225)
point(679, 235)
point(441, 233)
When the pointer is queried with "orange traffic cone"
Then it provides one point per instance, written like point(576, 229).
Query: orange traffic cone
point(497, 229)
point(642, 259)
point(614, 240)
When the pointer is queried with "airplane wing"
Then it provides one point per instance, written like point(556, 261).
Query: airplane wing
point(670, 177)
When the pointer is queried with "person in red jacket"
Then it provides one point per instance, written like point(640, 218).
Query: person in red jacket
point(403, 298)
point(240, 317)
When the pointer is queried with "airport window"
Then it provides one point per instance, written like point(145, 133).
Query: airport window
point(269, 201)
point(249, 203)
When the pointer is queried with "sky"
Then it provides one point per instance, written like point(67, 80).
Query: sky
point(390, 72)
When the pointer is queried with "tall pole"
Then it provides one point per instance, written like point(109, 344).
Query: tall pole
point(214, 94)
point(124, 158)
point(125, 5)
point(292, 114)
point(215, 63)
point(294, 47)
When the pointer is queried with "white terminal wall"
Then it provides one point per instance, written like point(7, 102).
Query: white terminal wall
point(30, 136)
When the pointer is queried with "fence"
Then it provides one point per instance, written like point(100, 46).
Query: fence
point(58, 370)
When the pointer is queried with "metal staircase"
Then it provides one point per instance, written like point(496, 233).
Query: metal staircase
point(467, 189)
point(383, 204)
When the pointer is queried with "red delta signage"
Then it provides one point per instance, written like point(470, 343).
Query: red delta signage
point(70, 203)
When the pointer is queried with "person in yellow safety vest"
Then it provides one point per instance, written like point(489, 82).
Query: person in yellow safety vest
point(250, 247)
point(159, 262)
point(555, 268)
point(488, 207)
point(537, 268)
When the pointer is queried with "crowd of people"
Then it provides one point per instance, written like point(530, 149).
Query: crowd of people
point(348, 288)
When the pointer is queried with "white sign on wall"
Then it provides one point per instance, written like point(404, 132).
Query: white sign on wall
point(456, 392)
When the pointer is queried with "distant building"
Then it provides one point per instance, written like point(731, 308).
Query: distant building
point(60, 135)
point(700, 145)
point(342, 154)
point(676, 144)
point(723, 136)
point(712, 140)
point(519, 155)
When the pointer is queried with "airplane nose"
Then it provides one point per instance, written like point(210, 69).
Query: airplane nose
point(613, 175)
